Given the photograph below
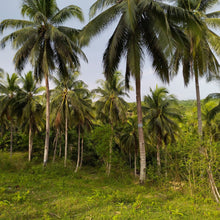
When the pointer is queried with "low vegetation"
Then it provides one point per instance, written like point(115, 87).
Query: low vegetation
point(103, 157)
point(29, 191)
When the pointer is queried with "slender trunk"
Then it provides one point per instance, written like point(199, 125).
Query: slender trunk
point(81, 160)
point(165, 160)
point(47, 137)
point(140, 134)
point(55, 145)
point(11, 139)
point(214, 188)
point(209, 169)
point(66, 137)
point(158, 155)
point(60, 148)
point(30, 142)
point(199, 113)
point(78, 156)
point(110, 152)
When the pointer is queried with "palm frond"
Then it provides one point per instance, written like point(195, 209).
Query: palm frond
point(66, 13)
point(12, 23)
point(99, 23)
point(99, 5)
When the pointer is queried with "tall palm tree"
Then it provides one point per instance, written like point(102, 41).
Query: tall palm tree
point(142, 26)
point(111, 107)
point(45, 42)
point(198, 59)
point(8, 91)
point(162, 117)
point(66, 96)
point(83, 120)
point(28, 107)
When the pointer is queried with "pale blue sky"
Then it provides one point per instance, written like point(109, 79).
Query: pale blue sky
point(92, 71)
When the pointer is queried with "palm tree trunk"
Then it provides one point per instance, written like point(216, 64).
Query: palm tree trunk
point(165, 160)
point(78, 157)
point(47, 137)
point(11, 139)
point(81, 160)
point(158, 156)
point(30, 142)
point(199, 113)
point(214, 188)
point(55, 145)
point(60, 148)
point(110, 152)
point(209, 169)
point(66, 137)
point(140, 133)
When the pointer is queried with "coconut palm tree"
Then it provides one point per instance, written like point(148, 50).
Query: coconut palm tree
point(143, 26)
point(65, 97)
point(83, 120)
point(45, 42)
point(8, 91)
point(111, 107)
point(28, 107)
point(198, 59)
point(162, 117)
point(57, 125)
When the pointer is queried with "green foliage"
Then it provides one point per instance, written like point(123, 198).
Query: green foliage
point(53, 192)
point(20, 196)
point(17, 162)
point(100, 139)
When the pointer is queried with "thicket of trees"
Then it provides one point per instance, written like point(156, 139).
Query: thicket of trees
point(100, 127)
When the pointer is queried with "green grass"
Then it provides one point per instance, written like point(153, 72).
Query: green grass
point(28, 191)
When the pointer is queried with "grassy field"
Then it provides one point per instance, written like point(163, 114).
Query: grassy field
point(29, 191)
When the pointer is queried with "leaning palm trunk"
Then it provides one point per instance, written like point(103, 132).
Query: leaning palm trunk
point(140, 133)
point(214, 188)
point(81, 158)
point(60, 148)
point(46, 148)
point(198, 101)
point(55, 145)
point(30, 142)
point(78, 156)
point(66, 138)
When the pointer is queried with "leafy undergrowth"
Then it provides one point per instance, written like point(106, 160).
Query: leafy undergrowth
point(29, 191)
